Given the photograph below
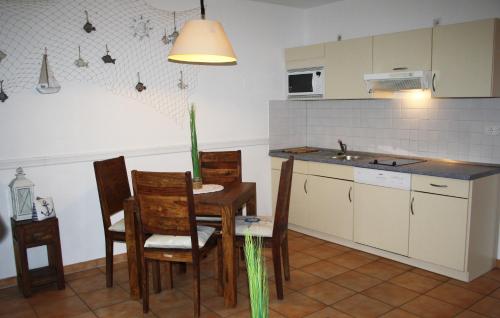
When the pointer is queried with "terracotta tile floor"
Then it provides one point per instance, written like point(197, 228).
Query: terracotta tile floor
point(327, 280)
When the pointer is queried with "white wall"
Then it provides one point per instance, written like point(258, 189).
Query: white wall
point(58, 136)
point(357, 18)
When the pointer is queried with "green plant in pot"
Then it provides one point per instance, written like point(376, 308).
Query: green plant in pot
point(195, 159)
point(257, 277)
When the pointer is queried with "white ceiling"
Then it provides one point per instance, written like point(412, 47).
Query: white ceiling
point(303, 4)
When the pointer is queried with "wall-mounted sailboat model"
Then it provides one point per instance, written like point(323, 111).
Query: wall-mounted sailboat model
point(47, 84)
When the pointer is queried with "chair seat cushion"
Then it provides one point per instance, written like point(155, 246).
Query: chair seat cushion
point(118, 226)
point(263, 228)
point(208, 219)
point(180, 242)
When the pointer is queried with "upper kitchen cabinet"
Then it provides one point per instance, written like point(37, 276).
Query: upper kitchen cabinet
point(402, 51)
point(346, 62)
point(466, 59)
point(305, 56)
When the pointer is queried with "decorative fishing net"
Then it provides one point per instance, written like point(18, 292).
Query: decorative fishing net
point(28, 26)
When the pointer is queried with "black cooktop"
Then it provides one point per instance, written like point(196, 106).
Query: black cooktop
point(395, 161)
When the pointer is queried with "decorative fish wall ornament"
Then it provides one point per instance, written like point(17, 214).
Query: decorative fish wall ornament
point(167, 39)
point(3, 96)
point(2, 56)
point(88, 27)
point(140, 86)
point(81, 62)
point(141, 27)
point(107, 58)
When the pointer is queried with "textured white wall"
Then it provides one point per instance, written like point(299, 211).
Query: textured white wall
point(84, 119)
point(357, 18)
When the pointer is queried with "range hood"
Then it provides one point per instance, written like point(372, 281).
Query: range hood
point(398, 81)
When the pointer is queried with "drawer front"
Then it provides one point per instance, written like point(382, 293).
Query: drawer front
point(331, 170)
point(298, 166)
point(44, 234)
point(438, 185)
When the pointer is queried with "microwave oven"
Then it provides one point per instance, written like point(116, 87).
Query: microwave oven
point(308, 83)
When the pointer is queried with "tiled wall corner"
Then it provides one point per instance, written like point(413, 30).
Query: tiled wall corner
point(287, 124)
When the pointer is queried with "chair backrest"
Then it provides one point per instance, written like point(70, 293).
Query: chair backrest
point(112, 186)
point(220, 167)
point(283, 201)
point(166, 203)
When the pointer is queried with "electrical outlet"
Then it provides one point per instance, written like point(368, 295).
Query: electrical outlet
point(492, 130)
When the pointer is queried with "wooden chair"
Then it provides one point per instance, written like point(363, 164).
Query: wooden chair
point(167, 227)
point(274, 234)
point(113, 189)
point(219, 167)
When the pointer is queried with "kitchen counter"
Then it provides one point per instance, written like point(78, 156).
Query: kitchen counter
point(431, 167)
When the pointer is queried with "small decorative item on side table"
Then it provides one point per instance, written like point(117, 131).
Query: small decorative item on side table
point(27, 234)
point(22, 194)
point(197, 182)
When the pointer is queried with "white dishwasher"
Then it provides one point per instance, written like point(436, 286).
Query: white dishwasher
point(382, 209)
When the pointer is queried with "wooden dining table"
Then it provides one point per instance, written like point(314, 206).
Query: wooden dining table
point(224, 204)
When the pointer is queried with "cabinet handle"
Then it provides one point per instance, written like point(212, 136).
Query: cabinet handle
point(434, 82)
point(439, 185)
point(305, 186)
point(411, 206)
point(400, 68)
point(349, 194)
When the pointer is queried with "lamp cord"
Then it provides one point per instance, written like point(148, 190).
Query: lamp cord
point(202, 5)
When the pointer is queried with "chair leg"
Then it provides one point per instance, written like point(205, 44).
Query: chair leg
point(218, 268)
point(109, 262)
point(155, 267)
point(145, 286)
point(182, 268)
point(167, 270)
point(242, 254)
point(286, 259)
point(277, 270)
point(196, 288)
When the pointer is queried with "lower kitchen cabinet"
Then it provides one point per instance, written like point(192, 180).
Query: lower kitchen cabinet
point(298, 213)
point(330, 204)
point(381, 217)
point(448, 226)
point(438, 229)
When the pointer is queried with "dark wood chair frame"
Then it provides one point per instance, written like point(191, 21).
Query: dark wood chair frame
point(279, 240)
point(220, 167)
point(113, 188)
point(165, 205)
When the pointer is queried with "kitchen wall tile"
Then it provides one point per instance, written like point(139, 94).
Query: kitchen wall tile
point(445, 128)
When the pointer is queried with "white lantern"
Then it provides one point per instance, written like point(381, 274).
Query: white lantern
point(22, 194)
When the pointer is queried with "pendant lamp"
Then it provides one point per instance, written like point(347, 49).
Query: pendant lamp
point(202, 42)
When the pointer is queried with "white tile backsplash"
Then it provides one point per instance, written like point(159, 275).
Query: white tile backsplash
point(442, 128)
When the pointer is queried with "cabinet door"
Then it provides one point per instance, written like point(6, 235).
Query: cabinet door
point(462, 59)
point(275, 182)
point(402, 51)
point(381, 217)
point(330, 206)
point(305, 56)
point(298, 201)
point(438, 229)
point(346, 63)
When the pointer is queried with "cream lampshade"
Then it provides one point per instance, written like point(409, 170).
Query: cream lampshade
point(204, 42)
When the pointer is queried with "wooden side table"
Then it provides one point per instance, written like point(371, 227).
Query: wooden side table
point(28, 234)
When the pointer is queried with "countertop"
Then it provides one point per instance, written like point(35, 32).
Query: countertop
point(431, 167)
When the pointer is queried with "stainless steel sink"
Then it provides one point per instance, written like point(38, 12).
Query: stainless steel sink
point(347, 157)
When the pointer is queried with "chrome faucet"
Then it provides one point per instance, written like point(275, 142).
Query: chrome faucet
point(343, 147)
